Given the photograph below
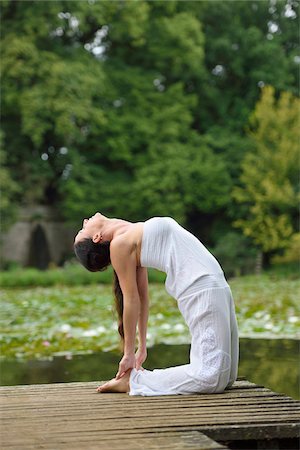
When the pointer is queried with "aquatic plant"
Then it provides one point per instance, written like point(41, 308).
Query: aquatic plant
point(46, 321)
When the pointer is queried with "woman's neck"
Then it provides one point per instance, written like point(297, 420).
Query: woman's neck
point(114, 227)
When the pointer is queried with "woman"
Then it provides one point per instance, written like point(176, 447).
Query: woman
point(194, 278)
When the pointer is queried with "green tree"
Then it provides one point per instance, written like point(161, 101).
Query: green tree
point(269, 181)
point(122, 106)
point(8, 191)
point(49, 98)
point(247, 45)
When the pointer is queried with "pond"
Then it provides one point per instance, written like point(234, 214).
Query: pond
point(271, 362)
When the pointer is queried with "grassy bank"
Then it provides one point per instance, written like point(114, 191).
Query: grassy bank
point(73, 274)
point(70, 275)
point(60, 319)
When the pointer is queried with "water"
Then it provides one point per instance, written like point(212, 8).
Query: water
point(271, 362)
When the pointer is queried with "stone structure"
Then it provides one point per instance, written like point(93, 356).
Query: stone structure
point(39, 238)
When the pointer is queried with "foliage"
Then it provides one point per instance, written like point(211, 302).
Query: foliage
point(267, 304)
point(236, 254)
point(41, 322)
point(291, 253)
point(8, 191)
point(138, 108)
point(69, 275)
point(270, 172)
point(247, 45)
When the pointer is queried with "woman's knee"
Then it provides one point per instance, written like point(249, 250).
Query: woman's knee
point(222, 384)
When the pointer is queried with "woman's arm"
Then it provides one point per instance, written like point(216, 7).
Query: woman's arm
point(142, 283)
point(123, 259)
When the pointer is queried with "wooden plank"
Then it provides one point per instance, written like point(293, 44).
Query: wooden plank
point(178, 441)
point(73, 416)
point(87, 402)
point(165, 412)
point(104, 400)
point(241, 384)
point(40, 389)
point(97, 423)
point(19, 396)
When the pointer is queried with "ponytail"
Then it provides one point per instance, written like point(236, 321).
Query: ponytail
point(96, 257)
point(93, 256)
point(119, 304)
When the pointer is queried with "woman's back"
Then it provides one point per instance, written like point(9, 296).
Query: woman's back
point(168, 247)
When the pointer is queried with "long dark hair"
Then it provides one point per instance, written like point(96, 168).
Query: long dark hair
point(95, 257)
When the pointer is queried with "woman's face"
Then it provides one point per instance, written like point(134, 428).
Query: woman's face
point(90, 227)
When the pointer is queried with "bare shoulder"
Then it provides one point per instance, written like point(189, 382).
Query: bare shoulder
point(120, 244)
point(127, 243)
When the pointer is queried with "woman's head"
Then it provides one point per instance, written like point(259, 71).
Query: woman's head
point(92, 248)
point(92, 228)
point(93, 256)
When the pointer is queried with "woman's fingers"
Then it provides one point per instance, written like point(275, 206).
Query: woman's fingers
point(140, 358)
point(138, 365)
point(126, 363)
point(120, 374)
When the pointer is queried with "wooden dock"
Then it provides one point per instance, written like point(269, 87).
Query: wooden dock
point(73, 416)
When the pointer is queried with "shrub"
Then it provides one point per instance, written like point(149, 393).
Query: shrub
point(70, 275)
point(236, 254)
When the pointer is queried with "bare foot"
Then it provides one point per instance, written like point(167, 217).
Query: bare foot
point(121, 385)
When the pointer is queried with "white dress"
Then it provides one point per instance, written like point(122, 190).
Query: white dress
point(196, 280)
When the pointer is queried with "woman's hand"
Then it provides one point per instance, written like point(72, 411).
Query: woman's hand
point(140, 357)
point(126, 363)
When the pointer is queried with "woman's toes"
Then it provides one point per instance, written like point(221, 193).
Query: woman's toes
point(102, 387)
point(114, 386)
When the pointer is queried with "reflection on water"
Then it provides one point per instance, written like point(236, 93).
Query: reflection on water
point(273, 363)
